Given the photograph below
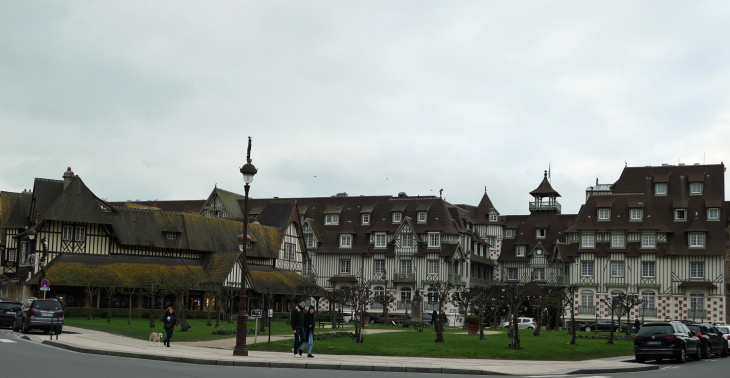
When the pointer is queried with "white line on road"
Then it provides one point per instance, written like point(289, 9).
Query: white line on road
point(6, 341)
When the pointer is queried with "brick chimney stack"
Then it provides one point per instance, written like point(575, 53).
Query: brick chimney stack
point(67, 177)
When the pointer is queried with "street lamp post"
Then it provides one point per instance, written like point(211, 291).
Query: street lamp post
point(248, 171)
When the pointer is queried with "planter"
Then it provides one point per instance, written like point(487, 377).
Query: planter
point(366, 320)
point(472, 329)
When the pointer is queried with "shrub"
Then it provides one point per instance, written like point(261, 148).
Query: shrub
point(332, 335)
point(365, 314)
point(232, 331)
point(472, 320)
point(417, 325)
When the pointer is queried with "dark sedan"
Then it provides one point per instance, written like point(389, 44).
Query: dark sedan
point(602, 326)
point(7, 313)
point(711, 339)
point(666, 339)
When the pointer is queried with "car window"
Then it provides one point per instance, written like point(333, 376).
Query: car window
point(655, 329)
point(724, 330)
point(46, 305)
point(687, 330)
point(715, 331)
point(694, 328)
point(9, 306)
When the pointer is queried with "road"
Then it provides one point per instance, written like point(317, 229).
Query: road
point(20, 357)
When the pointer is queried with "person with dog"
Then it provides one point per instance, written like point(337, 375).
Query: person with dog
point(308, 332)
point(297, 326)
point(170, 320)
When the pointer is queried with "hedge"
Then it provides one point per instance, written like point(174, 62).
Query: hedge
point(332, 335)
point(232, 331)
point(82, 312)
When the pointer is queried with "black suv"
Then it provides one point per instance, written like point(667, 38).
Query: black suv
point(7, 313)
point(711, 339)
point(666, 339)
point(39, 314)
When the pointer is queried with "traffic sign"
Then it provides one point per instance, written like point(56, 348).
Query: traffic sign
point(45, 283)
point(45, 289)
point(256, 314)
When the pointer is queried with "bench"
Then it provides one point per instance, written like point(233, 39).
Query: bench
point(339, 323)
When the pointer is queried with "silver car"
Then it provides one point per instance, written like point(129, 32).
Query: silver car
point(725, 329)
point(522, 323)
point(42, 314)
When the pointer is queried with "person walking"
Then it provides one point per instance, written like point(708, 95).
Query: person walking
point(637, 325)
point(309, 331)
point(297, 326)
point(170, 320)
point(433, 317)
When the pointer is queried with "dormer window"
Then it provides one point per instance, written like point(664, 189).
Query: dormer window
point(332, 219)
point(434, 240)
point(309, 240)
point(406, 240)
point(648, 241)
point(171, 236)
point(290, 251)
point(660, 189)
point(636, 214)
point(713, 213)
point(697, 240)
point(493, 217)
point(509, 233)
point(680, 214)
point(541, 233)
point(695, 188)
point(397, 216)
point(604, 214)
point(345, 241)
point(366, 218)
point(380, 240)
point(520, 250)
point(422, 217)
point(588, 241)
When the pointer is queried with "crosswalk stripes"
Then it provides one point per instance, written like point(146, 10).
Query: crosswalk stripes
point(6, 341)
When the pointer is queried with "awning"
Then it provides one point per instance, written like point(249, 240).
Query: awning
point(343, 279)
point(697, 284)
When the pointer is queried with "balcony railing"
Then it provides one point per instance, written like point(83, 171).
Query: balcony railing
point(479, 282)
point(696, 314)
point(455, 279)
point(378, 277)
point(544, 206)
point(563, 280)
point(402, 305)
point(647, 312)
point(587, 310)
point(404, 277)
point(376, 306)
point(430, 306)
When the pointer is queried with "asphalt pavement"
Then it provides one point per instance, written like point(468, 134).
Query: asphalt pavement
point(19, 357)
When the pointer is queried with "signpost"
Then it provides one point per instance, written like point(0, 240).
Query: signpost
point(256, 314)
point(45, 286)
point(271, 315)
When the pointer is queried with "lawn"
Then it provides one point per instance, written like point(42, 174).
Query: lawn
point(140, 328)
point(552, 345)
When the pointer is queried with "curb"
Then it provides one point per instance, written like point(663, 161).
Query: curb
point(320, 366)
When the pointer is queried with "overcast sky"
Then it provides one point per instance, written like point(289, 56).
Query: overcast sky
point(155, 99)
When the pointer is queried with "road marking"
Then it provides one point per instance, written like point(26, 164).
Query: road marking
point(6, 341)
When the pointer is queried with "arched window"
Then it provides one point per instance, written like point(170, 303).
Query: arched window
point(405, 294)
point(586, 298)
point(648, 298)
point(431, 295)
point(378, 290)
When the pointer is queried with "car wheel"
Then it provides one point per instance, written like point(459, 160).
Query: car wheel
point(697, 356)
point(15, 326)
point(706, 352)
point(46, 330)
point(640, 359)
point(724, 352)
point(26, 329)
point(588, 329)
point(682, 357)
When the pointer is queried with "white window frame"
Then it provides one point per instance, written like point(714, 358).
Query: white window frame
point(604, 214)
point(405, 294)
point(171, 236)
point(696, 270)
point(80, 233)
point(290, 251)
point(648, 240)
point(618, 241)
point(422, 217)
point(695, 188)
point(366, 218)
point(540, 276)
point(588, 241)
point(510, 272)
point(587, 269)
point(378, 291)
point(715, 216)
point(540, 233)
point(520, 250)
point(660, 189)
point(697, 240)
point(11, 255)
point(696, 301)
point(68, 233)
point(636, 214)
point(406, 243)
point(509, 233)
point(331, 219)
point(406, 267)
point(306, 267)
point(618, 269)
point(397, 217)
point(309, 240)
point(433, 266)
point(346, 241)
point(648, 269)
point(434, 240)
point(379, 266)
point(493, 217)
point(649, 298)
point(345, 267)
point(677, 212)
point(586, 298)
point(380, 240)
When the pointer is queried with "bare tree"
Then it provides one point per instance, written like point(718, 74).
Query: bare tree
point(333, 297)
point(514, 295)
point(481, 298)
point(629, 301)
point(110, 292)
point(357, 296)
point(440, 291)
point(92, 287)
point(179, 283)
point(211, 290)
point(542, 302)
point(384, 300)
point(267, 295)
point(463, 297)
point(568, 300)
point(614, 305)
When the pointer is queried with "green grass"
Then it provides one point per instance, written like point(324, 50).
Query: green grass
point(552, 345)
point(140, 328)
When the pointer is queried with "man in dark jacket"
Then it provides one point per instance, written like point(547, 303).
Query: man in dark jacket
point(170, 320)
point(297, 326)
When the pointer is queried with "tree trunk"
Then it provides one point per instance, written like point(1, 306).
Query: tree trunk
point(264, 315)
point(109, 294)
point(129, 319)
point(610, 337)
point(210, 307)
point(90, 293)
point(515, 328)
point(333, 314)
point(628, 321)
point(220, 307)
point(183, 309)
point(152, 310)
point(572, 321)
point(440, 324)
point(538, 328)
point(481, 322)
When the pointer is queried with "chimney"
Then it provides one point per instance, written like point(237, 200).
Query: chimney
point(67, 177)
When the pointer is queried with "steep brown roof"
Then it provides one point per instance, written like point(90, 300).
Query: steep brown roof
point(182, 206)
point(545, 189)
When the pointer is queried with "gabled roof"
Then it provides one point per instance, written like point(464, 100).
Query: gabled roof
point(483, 209)
point(278, 214)
point(45, 193)
point(14, 210)
point(545, 189)
point(230, 201)
point(77, 204)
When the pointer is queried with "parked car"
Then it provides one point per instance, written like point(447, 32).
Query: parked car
point(374, 318)
point(3, 299)
point(725, 329)
point(522, 323)
point(7, 313)
point(393, 318)
point(39, 314)
point(602, 326)
point(666, 339)
point(711, 339)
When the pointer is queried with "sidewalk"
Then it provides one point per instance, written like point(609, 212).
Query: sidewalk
point(230, 343)
point(94, 342)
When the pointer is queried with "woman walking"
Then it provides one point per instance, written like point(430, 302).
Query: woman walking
point(170, 320)
point(308, 331)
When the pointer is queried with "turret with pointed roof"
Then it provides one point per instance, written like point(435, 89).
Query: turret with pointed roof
point(485, 209)
point(545, 197)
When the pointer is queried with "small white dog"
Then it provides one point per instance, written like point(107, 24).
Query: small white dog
point(155, 337)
